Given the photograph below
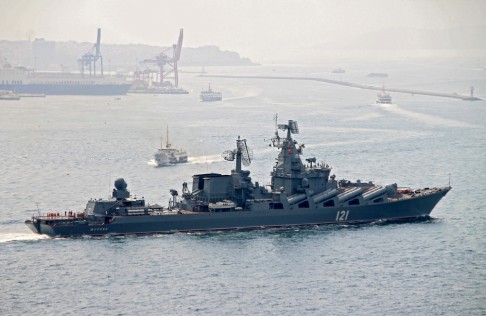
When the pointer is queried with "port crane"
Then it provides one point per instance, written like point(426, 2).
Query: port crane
point(167, 63)
point(89, 60)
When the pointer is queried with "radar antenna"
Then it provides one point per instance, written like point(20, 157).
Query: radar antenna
point(246, 153)
point(292, 128)
point(242, 154)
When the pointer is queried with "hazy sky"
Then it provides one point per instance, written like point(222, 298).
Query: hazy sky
point(263, 30)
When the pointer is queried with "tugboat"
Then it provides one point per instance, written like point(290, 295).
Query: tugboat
point(301, 193)
point(210, 95)
point(168, 155)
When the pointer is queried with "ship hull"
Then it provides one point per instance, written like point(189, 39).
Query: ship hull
point(69, 89)
point(402, 210)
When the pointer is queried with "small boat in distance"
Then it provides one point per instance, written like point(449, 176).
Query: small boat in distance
point(383, 98)
point(168, 155)
point(377, 75)
point(8, 95)
point(210, 95)
point(338, 71)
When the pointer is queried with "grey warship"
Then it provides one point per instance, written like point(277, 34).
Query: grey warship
point(301, 193)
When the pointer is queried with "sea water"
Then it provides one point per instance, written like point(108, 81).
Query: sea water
point(59, 151)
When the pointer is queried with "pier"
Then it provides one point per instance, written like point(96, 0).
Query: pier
point(357, 85)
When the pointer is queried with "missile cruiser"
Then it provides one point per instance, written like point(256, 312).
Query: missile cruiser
point(301, 193)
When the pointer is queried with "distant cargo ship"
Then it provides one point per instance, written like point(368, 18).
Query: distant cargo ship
point(87, 82)
point(21, 80)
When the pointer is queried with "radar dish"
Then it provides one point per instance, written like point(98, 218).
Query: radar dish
point(228, 155)
point(294, 128)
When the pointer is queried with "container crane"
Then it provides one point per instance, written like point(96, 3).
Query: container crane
point(88, 60)
point(168, 64)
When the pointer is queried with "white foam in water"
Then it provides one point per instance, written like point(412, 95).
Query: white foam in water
point(246, 95)
point(195, 160)
point(205, 159)
point(151, 162)
point(8, 237)
point(426, 118)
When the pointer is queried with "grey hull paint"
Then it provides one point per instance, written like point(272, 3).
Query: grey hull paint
point(407, 209)
point(300, 193)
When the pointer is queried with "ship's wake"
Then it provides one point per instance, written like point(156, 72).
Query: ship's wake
point(241, 97)
point(205, 159)
point(194, 160)
point(425, 118)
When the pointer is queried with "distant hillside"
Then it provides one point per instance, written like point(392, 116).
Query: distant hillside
point(413, 38)
point(56, 56)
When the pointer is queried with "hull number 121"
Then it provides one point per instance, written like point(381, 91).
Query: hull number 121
point(342, 216)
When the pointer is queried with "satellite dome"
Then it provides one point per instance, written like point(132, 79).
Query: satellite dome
point(120, 184)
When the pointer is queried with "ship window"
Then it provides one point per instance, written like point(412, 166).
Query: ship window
point(378, 200)
point(277, 206)
point(354, 202)
point(328, 203)
point(304, 204)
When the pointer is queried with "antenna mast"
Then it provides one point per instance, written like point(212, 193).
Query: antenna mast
point(167, 145)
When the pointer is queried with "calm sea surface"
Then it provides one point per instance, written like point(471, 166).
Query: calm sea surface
point(57, 152)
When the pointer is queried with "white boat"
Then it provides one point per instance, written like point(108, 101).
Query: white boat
point(210, 95)
point(168, 155)
point(383, 98)
point(8, 95)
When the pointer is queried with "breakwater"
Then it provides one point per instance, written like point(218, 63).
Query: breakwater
point(355, 85)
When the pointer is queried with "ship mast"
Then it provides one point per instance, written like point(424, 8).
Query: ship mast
point(276, 139)
point(167, 144)
point(238, 155)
